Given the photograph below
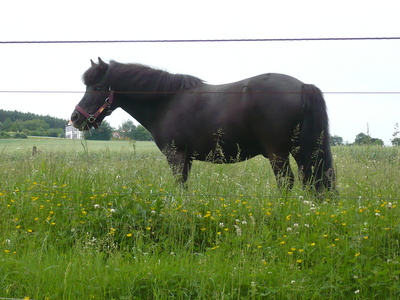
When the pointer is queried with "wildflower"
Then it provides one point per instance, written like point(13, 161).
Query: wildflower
point(357, 254)
point(238, 230)
point(113, 210)
point(312, 244)
point(264, 262)
point(356, 291)
point(299, 261)
point(288, 217)
point(97, 206)
point(129, 235)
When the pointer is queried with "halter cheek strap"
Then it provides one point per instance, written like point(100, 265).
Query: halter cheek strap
point(91, 118)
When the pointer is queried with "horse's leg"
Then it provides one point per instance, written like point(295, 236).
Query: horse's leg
point(281, 167)
point(180, 166)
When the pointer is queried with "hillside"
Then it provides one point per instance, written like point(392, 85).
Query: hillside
point(30, 124)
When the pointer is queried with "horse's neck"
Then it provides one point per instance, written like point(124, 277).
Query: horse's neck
point(147, 112)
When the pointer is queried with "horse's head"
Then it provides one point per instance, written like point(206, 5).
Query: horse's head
point(97, 103)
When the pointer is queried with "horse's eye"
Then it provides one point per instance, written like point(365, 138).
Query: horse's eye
point(97, 88)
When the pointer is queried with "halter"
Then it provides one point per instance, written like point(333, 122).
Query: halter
point(91, 118)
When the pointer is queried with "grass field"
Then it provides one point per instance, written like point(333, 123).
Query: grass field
point(106, 220)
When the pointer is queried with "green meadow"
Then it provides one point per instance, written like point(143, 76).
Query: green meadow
point(106, 220)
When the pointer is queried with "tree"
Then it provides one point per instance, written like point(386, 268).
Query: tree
point(7, 124)
point(142, 134)
point(396, 141)
point(127, 130)
point(377, 142)
point(362, 139)
point(104, 132)
point(365, 139)
point(336, 140)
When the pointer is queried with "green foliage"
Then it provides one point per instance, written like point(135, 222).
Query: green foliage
point(396, 142)
point(104, 132)
point(127, 130)
point(31, 124)
point(336, 140)
point(99, 220)
point(365, 139)
point(141, 134)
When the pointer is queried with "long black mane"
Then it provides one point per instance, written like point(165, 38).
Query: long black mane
point(138, 77)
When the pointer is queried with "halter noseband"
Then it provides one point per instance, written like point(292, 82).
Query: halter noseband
point(91, 118)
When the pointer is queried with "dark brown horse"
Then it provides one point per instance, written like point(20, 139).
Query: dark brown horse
point(271, 114)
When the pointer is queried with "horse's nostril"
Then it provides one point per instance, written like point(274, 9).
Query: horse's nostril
point(74, 117)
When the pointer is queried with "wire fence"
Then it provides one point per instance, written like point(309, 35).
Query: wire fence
point(206, 40)
point(236, 40)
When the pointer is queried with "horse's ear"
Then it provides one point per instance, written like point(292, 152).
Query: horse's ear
point(102, 64)
point(93, 64)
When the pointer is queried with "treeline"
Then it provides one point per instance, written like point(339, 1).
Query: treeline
point(127, 131)
point(363, 139)
point(20, 125)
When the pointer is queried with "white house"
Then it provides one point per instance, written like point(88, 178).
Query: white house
point(72, 133)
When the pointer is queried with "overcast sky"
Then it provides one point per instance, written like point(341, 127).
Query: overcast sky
point(334, 66)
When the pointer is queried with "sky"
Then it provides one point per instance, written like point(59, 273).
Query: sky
point(360, 79)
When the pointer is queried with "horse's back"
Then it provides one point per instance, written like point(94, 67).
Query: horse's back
point(243, 116)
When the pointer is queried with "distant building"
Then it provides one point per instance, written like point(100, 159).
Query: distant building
point(116, 135)
point(72, 133)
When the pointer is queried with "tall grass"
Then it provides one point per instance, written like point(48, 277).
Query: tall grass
point(108, 221)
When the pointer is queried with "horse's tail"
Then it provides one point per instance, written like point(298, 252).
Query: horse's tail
point(314, 154)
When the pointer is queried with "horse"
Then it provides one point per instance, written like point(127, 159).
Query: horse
point(272, 114)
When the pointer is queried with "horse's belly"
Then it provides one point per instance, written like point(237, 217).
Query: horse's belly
point(228, 153)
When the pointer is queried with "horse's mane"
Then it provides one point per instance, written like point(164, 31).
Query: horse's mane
point(137, 77)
